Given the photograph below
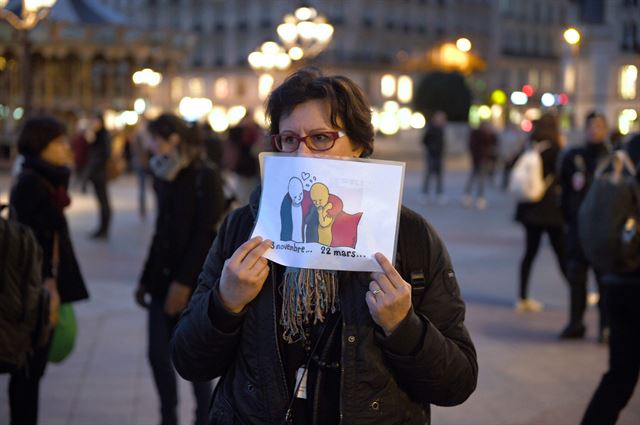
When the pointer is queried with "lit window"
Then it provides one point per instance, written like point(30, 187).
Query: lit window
point(628, 81)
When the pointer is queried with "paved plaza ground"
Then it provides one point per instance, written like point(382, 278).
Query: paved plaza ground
point(527, 376)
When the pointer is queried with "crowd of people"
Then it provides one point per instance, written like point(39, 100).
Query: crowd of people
point(392, 344)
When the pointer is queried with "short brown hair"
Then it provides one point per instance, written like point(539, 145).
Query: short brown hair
point(346, 101)
point(546, 128)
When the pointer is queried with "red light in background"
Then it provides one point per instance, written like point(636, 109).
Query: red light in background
point(526, 126)
point(528, 90)
point(563, 99)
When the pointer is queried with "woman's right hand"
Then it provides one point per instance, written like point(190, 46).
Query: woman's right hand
point(244, 274)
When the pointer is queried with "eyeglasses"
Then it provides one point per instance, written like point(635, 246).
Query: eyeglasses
point(317, 142)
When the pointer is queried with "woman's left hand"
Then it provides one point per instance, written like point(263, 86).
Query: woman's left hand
point(177, 298)
point(388, 297)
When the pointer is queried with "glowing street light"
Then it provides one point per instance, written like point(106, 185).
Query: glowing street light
point(270, 56)
point(463, 44)
point(571, 36)
point(305, 33)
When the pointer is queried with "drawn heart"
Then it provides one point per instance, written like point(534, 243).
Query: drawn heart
point(305, 176)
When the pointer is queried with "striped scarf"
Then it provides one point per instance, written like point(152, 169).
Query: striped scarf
point(307, 296)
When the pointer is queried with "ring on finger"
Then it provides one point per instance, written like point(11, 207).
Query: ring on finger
point(376, 291)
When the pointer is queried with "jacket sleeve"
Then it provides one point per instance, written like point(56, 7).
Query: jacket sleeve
point(201, 350)
point(210, 204)
point(32, 203)
point(442, 369)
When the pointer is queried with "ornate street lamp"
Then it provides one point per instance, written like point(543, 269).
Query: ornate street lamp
point(305, 33)
point(32, 12)
point(145, 79)
point(268, 57)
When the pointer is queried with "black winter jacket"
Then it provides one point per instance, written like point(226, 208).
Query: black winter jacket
point(579, 161)
point(377, 386)
point(189, 207)
point(546, 212)
point(33, 201)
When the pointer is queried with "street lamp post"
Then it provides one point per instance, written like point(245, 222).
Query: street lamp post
point(32, 12)
point(305, 33)
point(146, 79)
point(572, 38)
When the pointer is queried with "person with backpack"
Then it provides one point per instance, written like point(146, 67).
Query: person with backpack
point(542, 215)
point(577, 169)
point(382, 357)
point(38, 199)
point(623, 296)
point(190, 202)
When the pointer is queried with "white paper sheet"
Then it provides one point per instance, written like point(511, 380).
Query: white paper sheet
point(326, 213)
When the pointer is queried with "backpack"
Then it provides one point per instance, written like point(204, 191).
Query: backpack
point(527, 179)
point(608, 218)
point(24, 303)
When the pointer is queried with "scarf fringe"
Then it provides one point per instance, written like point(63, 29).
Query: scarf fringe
point(306, 294)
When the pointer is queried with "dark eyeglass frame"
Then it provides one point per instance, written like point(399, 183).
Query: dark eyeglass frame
point(276, 139)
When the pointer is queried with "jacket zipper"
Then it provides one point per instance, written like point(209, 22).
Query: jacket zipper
point(275, 327)
point(342, 349)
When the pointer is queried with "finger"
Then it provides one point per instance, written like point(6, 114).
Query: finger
point(244, 249)
point(371, 303)
point(259, 264)
point(374, 288)
point(388, 268)
point(385, 283)
point(255, 254)
point(259, 268)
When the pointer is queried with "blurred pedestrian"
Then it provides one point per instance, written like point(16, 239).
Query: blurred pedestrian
point(38, 199)
point(139, 145)
point(434, 143)
point(190, 203)
point(543, 216)
point(481, 141)
point(80, 148)
point(241, 159)
point(511, 145)
point(623, 297)
point(577, 171)
point(375, 357)
point(96, 172)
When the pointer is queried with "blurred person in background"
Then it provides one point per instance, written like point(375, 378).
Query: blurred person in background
point(190, 203)
point(577, 169)
point(139, 145)
point(80, 148)
point(38, 199)
point(511, 145)
point(96, 172)
point(544, 216)
point(434, 143)
point(241, 159)
point(481, 142)
point(623, 297)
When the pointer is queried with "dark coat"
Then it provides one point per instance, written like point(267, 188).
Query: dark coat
point(579, 160)
point(377, 385)
point(546, 212)
point(433, 140)
point(189, 207)
point(35, 198)
point(481, 144)
point(98, 156)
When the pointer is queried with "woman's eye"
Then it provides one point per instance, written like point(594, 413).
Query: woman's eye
point(321, 138)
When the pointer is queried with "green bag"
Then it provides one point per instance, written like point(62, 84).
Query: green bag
point(64, 335)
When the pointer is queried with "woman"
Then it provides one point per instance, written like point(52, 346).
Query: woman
point(544, 216)
point(38, 199)
point(190, 203)
point(378, 358)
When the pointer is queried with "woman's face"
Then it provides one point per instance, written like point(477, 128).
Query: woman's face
point(312, 117)
point(162, 146)
point(57, 152)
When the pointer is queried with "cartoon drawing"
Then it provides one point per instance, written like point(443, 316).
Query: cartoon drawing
point(293, 210)
point(320, 198)
point(336, 228)
point(316, 215)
